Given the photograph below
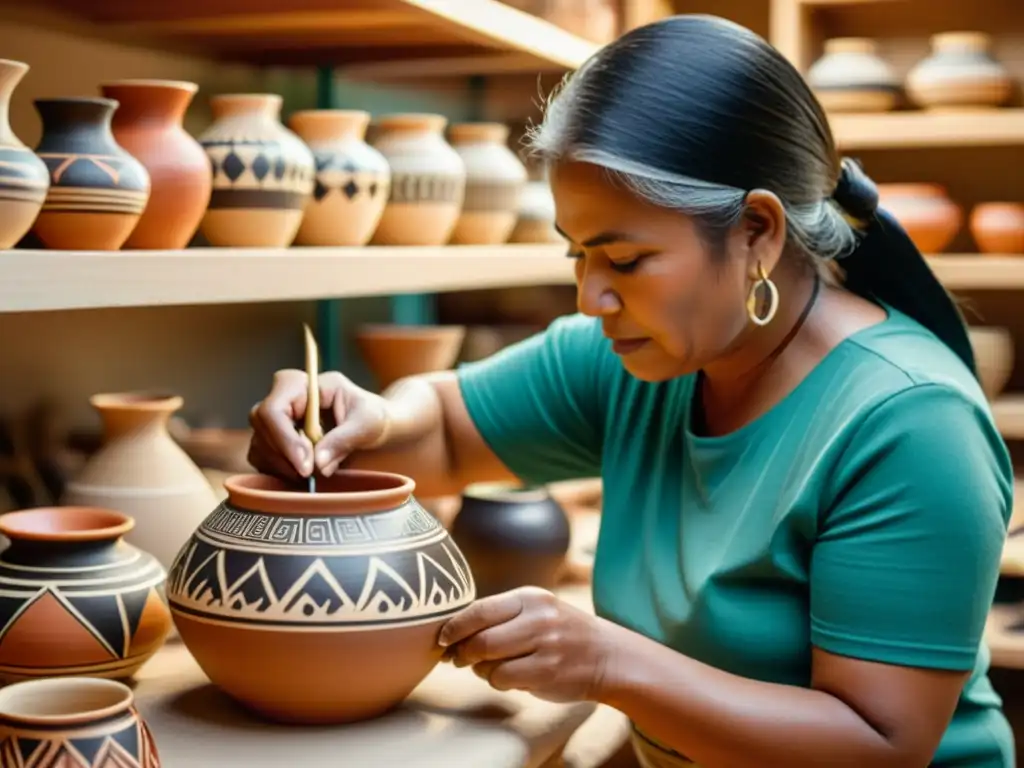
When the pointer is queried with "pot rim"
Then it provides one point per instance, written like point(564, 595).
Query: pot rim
point(267, 493)
point(124, 700)
point(154, 402)
point(13, 524)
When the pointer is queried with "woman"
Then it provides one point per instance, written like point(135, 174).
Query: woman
point(805, 496)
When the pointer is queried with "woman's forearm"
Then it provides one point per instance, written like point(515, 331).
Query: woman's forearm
point(720, 720)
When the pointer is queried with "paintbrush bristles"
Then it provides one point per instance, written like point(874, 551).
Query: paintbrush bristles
point(314, 431)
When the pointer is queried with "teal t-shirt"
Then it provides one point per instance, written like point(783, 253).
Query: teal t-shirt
point(864, 514)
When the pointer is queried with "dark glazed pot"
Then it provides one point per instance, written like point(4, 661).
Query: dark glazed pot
point(511, 537)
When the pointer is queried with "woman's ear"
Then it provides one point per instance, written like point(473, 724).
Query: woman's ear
point(762, 231)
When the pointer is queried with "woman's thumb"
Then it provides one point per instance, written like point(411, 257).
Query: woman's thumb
point(361, 427)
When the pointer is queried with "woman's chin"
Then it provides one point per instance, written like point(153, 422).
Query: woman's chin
point(654, 369)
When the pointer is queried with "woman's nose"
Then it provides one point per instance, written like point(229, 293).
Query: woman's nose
point(595, 296)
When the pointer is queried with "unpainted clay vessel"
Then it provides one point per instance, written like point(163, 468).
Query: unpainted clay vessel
point(263, 174)
point(851, 77)
point(97, 190)
point(142, 472)
point(993, 357)
point(960, 73)
point(428, 181)
point(24, 178)
point(925, 211)
point(353, 180)
point(73, 722)
point(393, 352)
point(495, 178)
point(998, 227)
point(318, 607)
point(511, 537)
point(148, 124)
point(77, 600)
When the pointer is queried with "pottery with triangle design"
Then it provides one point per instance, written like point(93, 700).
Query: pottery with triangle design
point(75, 599)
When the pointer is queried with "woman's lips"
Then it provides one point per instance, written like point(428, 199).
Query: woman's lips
point(627, 346)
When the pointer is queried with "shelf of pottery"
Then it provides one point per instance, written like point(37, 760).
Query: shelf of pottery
point(104, 208)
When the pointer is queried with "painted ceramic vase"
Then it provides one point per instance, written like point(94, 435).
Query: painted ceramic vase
point(428, 181)
point(959, 73)
point(511, 537)
point(925, 211)
point(353, 180)
point(318, 608)
point(97, 190)
point(77, 599)
point(851, 77)
point(998, 227)
point(24, 178)
point(73, 722)
point(494, 183)
point(392, 351)
point(263, 174)
point(141, 471)
point(535, 222)
point(148, 124)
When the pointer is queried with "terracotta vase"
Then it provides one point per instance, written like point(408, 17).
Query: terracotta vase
point(353, 180)
point(851, 77)
point(142, 472)
point(77, 600)
point(97, 190)
point(494, 183)
point(511, 537)
point(24, 178)
point(535, 222)
point(73, 722)
point(318, 607)
point(960, 73)
point(263, 174)
point(925, 211)
point(148, 124)
point(392, 352)
point(993, 356)
point(428, 181)
point(998, 227)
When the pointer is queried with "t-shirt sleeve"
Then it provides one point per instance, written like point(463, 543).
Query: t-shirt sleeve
point(539, 404)
point(905, 565)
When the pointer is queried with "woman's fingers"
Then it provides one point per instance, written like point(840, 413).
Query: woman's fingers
point(274, 420)
point(483, 614)
point(270, 461)
point(512, 639)
point(360, 424)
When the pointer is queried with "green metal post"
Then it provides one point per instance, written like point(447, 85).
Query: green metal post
point(328, 311)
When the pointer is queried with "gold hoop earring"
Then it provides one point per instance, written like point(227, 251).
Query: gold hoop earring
point(773, 298)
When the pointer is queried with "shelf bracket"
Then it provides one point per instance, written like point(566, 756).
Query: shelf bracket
point(328, 311)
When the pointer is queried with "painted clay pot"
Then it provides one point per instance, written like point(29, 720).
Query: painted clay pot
point(24, 178)
point(852, 77)
point(263, 174)
point(97, 190)
point(353, 180)
point(141, 471)
point(535, 222)
point(960, 73)
point(993, 354)
point(77, 600)
point(428, 181)
point(494, 183)
point(318, 607)
point(511, 537)
point(392, 352)
point(925, 211)
point(73, 722)
point(148, 124)
point(998, 227)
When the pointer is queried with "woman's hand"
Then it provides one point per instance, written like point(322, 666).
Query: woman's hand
point(528, 639)
point(353, 418)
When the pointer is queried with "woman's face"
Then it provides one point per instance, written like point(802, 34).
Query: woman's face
point(668, 306)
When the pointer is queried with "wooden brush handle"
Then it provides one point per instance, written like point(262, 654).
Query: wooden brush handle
point(313, 429)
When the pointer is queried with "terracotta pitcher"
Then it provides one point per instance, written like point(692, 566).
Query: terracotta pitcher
point(148, 124)
point(141, 471)
point(24, 178)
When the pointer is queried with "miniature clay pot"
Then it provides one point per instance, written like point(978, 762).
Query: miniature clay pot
point(392, 352)
point(960, 73)
point(263, 174)
point(353, 180)
point(925, 211)
point(511, 537)
point(73, 722)
point(993, 357)
point(24, 178)
point(852, 77)
point(318, 607)
point(97, 190)
point(148, 124)
point(77, 600)
point(428, 181)
point(998, 227)
point(494, 182)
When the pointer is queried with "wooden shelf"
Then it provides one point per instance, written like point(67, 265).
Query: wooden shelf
point(389, 37)
point(32, 280)
point(910, 129)
point(973, 271)
point(1008, 411)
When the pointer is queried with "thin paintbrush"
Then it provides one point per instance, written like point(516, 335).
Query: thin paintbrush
point(313, 429)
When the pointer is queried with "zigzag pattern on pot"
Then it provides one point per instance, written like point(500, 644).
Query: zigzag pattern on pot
point(127, 744)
